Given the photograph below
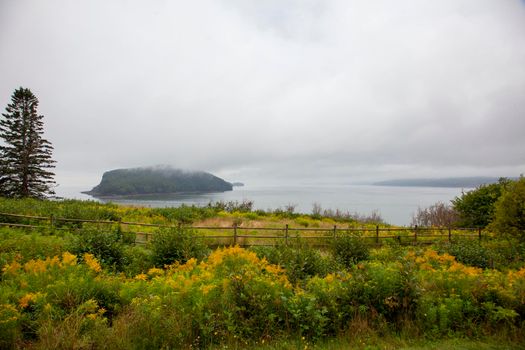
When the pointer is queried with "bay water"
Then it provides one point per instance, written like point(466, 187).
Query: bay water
point(396, 205)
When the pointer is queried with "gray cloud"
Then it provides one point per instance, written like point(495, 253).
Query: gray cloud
point(317, 90)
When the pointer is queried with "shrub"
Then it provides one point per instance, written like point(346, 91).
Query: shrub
point(509, 211)
point(438, 215)
point(137, 260)
point(469, 252)
point(299, 261)
point(476, 207)
point(245, 206)
point(15, 242)
point(349, 250)
point(231, 294)
point(104, 245)
point(176, 245)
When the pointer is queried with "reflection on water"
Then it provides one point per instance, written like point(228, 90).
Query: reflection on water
point(396, 204)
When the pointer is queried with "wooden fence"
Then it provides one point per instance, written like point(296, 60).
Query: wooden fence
point(250, 236)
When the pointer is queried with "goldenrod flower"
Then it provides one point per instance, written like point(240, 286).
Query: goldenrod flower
point(69, 259)
point(92, 262)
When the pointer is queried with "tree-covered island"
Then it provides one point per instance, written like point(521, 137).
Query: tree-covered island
point(157, 180)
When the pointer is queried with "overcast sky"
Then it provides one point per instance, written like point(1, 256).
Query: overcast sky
point(271, 91)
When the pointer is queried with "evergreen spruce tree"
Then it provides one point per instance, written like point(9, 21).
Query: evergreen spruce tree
point(25, 157)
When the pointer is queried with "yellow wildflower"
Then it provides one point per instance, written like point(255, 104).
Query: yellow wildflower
point(431, 254)
point(447, 258)
point(274, 269)
point(54, 261)
point(188, 266)
point(35, 266)
point(28, 298)
point(155, 271)
point(8, 313)
point(329, 278)
point(12, 268)
point(92, 262)
point(141, 277)
point(207, 288)
point(427, 267)
point(69, 259)
point(420, 260)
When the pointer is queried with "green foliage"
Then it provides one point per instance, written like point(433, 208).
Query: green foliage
point(106, 246)
point(469, 252)
point(233, 298)
point(244, 206)
point(176, 245)
point(238, 298)
point(444, 315)
point(476, 207)
point(509, 215)
point(300, 261)
point(137, 260)
point(63, 209)
point(25, 156)
point(349, 250)
point(508, 253)
point(16, 242)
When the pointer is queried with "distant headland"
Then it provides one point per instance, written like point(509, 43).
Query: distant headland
point(459, 182)
point(157, 180)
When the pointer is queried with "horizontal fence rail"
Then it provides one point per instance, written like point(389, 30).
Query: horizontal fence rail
point(238, 235)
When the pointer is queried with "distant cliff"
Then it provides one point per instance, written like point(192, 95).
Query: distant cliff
point(157, 180)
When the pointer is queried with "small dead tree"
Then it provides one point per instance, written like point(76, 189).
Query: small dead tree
point(437, 215)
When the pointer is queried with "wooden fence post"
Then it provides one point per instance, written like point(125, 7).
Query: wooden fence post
point(52, 221)
point(449, 235)
point(335, 232)
point(234, 234)
point(415, 234)
point(479, 233)
point(377, 234)
point(119, 228)
point(286, 234)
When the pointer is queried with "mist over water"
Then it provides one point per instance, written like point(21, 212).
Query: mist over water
point(395, 204)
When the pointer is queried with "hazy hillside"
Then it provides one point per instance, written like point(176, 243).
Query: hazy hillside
point(462, 182)
point(122, 182)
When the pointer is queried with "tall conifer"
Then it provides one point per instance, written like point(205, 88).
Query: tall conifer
point(25, 156)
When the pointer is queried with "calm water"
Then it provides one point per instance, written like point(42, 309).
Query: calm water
point(395, 204)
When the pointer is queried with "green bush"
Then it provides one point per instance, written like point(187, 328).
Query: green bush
point(137, 259)
point(506, 254)
point(476, 207)
point(468, 251)
point(176, 245)
point(33, 245)
point(299, 261)
point(105, 246)
point(349, 250)
point(509, 212)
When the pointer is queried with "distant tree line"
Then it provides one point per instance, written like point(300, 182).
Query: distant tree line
point(500, 207)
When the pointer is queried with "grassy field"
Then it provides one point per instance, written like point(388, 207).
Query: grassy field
point(88, 286)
